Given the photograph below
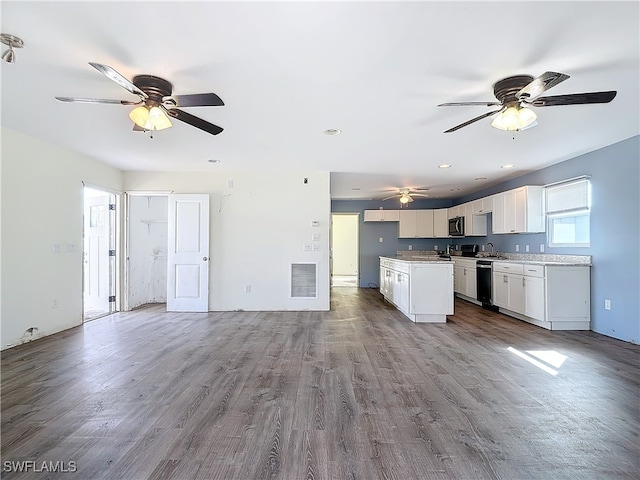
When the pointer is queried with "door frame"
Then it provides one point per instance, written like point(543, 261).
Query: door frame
point(331, 246)
point(115, 235)
point(126, 307)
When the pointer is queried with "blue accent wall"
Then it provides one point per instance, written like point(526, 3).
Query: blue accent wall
point(371, 232)
point(615, 233)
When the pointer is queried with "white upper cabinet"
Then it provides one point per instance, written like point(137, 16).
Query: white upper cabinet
point(441, 223)
point(381, 215)
point(519, 211)
point(475, 207)
point(416, 224)
point(486, 205)
point(474, 224)
point(457, 211)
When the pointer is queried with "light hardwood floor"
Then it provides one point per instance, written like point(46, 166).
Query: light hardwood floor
point(359, 392)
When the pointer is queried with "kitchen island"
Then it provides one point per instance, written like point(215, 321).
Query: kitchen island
point(420, 287)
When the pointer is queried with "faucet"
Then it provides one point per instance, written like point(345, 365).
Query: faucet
point(491, 248)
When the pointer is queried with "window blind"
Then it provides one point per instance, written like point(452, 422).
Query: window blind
point(569, 196)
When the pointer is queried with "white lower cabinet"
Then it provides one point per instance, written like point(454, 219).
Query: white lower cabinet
point(423, 291)
point(556, 297)
point(465, 280)
point(508, 287)
point(534, 297)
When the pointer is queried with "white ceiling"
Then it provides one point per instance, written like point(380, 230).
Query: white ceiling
point(288, 71)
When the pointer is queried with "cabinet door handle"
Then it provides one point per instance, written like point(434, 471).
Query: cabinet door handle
point(504, 279)
point(523, 281)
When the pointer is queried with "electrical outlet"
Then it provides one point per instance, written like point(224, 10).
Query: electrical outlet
point(607, 304)
point(247, 289)
point(307, 247)
point(435, 247)
point(380, 239)
point(542, 248)
point(316, 247)
point(482, 246)
point(517, 248)
point(410, 247)
point(526, 248)
point(54, 303)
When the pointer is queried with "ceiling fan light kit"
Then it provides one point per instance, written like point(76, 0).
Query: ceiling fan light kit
point(156, 102)
point(514, 118)
point(9, 56)
point(405, 195)
point(150, 118)
point(516, 93)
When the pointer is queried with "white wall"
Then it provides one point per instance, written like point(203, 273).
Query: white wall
point(147, 252)
point(42, 205)
point(260, 222)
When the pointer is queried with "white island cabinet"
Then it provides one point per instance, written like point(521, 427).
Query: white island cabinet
point(421, 289)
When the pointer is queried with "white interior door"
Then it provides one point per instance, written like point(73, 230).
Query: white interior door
point(188, 253)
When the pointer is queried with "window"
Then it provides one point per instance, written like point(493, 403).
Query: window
point(568, 213)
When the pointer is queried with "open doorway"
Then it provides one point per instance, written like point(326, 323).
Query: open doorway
point(99, 253)
point(146, 267)
point(345, 249)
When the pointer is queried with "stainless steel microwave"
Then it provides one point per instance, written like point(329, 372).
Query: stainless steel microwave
point(456, 227)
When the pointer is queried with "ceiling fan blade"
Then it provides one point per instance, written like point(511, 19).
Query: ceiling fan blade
point(464, 104)
point(194, 121)
point(138, 128)
point(392, 196)
point(96, 100)
point(410, 199)
point(540, 85)
point(574, 99)
point(473, 120)
point(112, 74)
point(418, 194)
point(197, 100)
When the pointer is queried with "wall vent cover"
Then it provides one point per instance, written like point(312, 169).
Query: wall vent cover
point(304, 280)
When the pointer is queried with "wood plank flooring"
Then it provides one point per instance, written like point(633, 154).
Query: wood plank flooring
point(359, 392)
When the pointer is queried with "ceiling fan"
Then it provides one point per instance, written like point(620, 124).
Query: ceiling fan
point(406, 194)
point(516, 93)
point(156, 102)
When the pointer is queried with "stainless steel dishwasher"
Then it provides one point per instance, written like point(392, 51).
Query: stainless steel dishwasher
point(483, 275)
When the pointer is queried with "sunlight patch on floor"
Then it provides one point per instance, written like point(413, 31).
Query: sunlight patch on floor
point(550, 357)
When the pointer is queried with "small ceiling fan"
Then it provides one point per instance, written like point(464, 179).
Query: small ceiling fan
point(406, 194)
point(156, 102)
point(516, 93)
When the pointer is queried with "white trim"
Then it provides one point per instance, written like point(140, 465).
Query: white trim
point(149, 193)
point(569, 180)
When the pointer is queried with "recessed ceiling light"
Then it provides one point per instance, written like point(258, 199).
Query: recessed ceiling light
point(333, 131)
point(508, 165)
point(444, 165)
point(213, 161)
point(480, 178)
